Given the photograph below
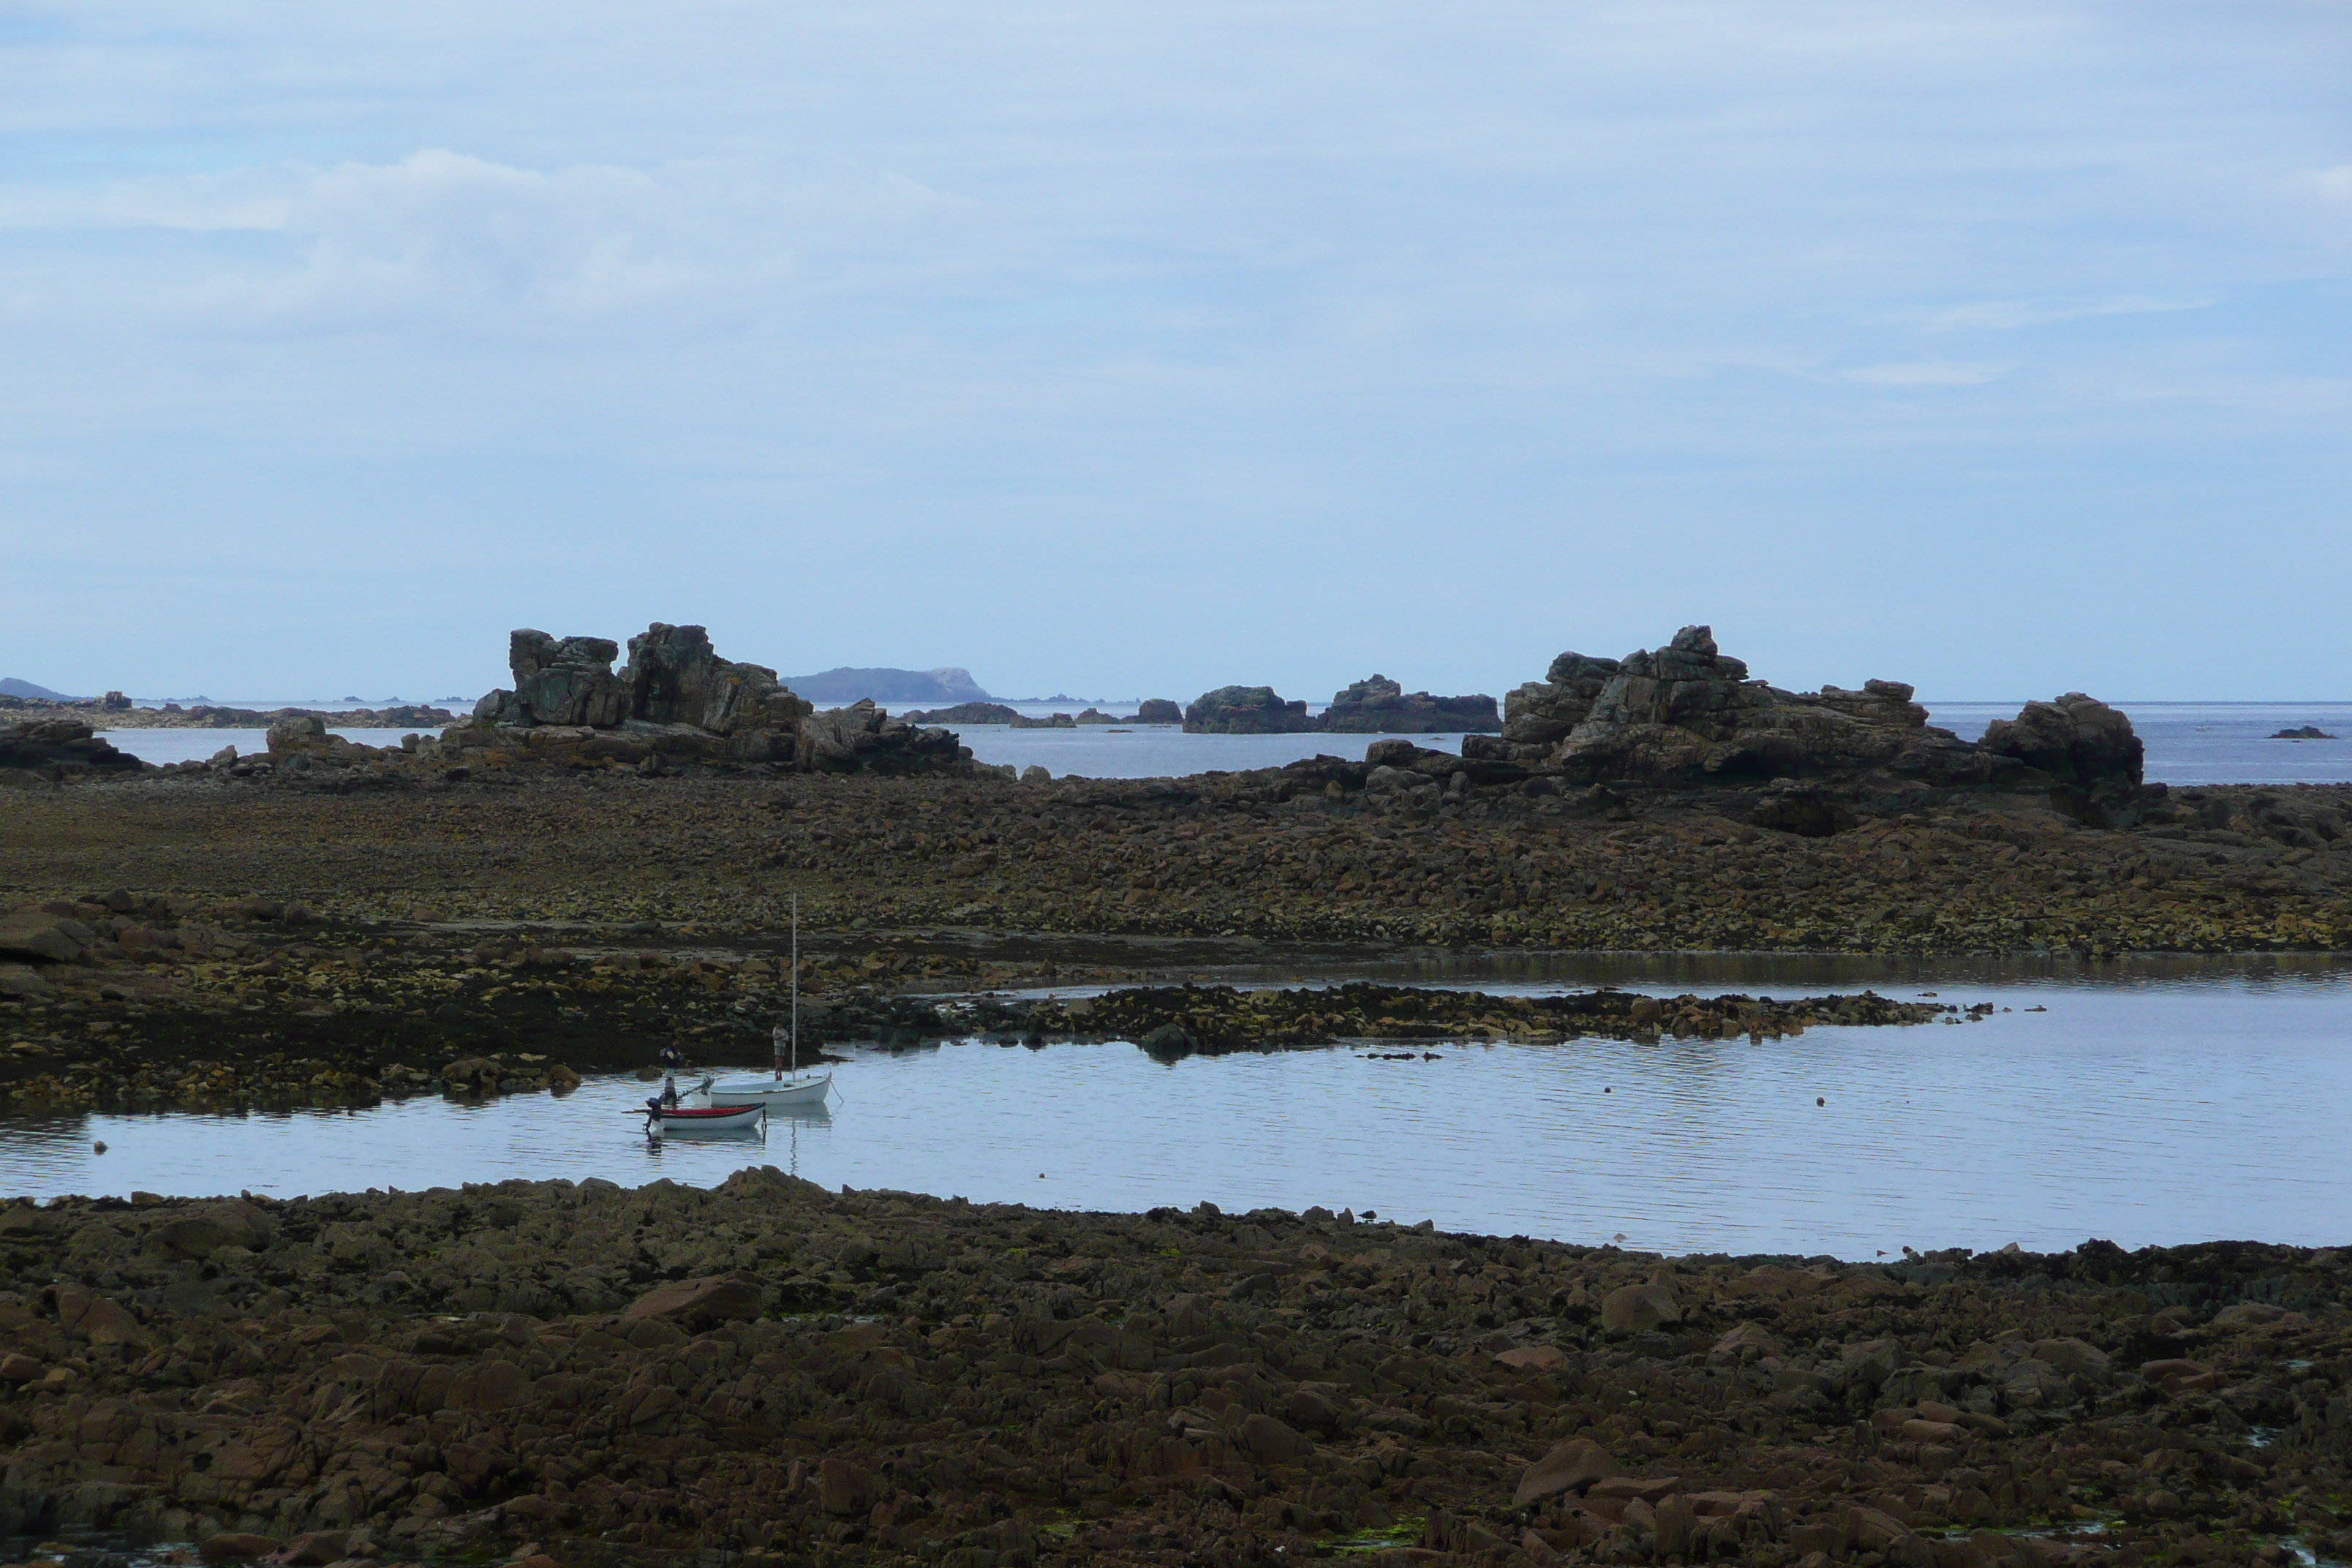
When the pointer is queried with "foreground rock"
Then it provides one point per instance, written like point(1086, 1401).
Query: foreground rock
point(772, 1374)
point(1380, 704)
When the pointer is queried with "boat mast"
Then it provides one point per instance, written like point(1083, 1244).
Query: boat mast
point(796, 985)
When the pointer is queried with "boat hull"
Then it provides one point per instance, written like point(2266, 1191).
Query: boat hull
point(772, 1093)
point(717, 1118)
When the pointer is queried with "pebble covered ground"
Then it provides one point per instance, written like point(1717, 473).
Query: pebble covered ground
point(767, 1373)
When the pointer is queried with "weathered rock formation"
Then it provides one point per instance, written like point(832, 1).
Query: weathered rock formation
point(1380, 705)
point(1158, 710)
point(2085, 747)
point(677, 700)
point(1246, 711)
point(1688, 715)
point(1538, 717)
point(59, 749)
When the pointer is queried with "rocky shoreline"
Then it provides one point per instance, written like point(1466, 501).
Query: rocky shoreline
point(143, 1003)
point(768, 1374)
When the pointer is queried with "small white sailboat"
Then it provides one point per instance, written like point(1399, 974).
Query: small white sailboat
point(789, 1087)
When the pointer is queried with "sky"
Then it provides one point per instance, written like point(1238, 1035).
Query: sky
point(1130, 350)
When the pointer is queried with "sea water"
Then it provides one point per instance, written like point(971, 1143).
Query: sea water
point(2162, 1104)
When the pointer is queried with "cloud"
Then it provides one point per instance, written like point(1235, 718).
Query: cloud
point(2010, 315)
point(1925, 372)
point(464, 241)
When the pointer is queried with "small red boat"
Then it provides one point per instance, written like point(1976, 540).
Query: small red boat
point(661, 1119)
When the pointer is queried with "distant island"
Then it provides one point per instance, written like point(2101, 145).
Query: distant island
point(12, 687)
point(845, 684)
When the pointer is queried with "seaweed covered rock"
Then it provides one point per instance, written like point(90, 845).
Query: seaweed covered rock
point(1245, 710)
point(1380, 705)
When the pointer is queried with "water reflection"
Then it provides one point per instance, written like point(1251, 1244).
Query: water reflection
point(2159, 1112)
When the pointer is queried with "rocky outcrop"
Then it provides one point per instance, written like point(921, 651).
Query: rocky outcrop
point(965, 713)
point(1158, 710)
point(1245, 710)
point(1687, 712)
point(1687, 715)
point(1383, 706)
point(862, 738)
point(2085, 747)
point(566, 682)
point(59, 749)
point(678, 703)
point(1538, 717)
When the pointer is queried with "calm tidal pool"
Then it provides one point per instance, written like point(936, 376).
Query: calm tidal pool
point(2148, 1110)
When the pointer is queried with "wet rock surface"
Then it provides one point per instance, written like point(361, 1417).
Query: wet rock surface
point(126, 1002)
point(770, 1373)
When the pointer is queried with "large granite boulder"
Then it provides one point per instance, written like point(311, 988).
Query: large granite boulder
point(566, 682)
point(1542, 712)
point(1380, 704)
point(2088, 749)
point(1245, 710)
point(674, 677)
point(61, 748)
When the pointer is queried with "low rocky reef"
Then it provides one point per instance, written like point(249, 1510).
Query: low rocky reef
point(147, 1001)
point(770, 1373)
point(1174, 1022)
point(116, 711)
point(1153, 711)
point(1371, 707)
